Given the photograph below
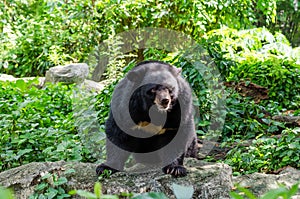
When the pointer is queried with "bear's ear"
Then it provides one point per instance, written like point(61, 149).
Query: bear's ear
point(136, 74)
point(176, 71)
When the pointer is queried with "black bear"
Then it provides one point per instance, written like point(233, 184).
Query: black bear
point(152, 118)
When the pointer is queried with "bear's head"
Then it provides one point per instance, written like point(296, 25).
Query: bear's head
point(158, 83)
point(162, 97)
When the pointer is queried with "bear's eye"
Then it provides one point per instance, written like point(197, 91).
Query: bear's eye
point(171, 89)
point(172, 96)
point(151, 91)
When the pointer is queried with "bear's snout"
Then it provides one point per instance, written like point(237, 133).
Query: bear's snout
point(165, 102)
point(162, 98)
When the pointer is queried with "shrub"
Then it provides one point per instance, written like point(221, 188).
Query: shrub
point(37, 125)
point(38, 35)
point(281, 76)
point(267, 154)
point(246, 119)
point(260, 57)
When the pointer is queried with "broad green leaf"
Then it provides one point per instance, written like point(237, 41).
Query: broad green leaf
point(20, 83)
point(247, 192)
point(24, 151)
point(150, 195)
point(60, 181)
point(97, 189)
point(41, 186)
point(72, 192)
point(294, 189)
point(275, 193)
point(46, 176)
point(51, 193)
point(5, 194)
point(182, 192)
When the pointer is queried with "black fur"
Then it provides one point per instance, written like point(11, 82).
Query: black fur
point(158, 147)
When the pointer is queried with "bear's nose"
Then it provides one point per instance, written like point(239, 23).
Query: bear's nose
point(165, 101)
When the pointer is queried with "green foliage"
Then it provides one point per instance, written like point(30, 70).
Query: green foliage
point(246, 119)
point(106, 174)
point(51, 186)
point(6, 194)
point(99, 195)
point(182, 191)
point(281, 192)
point(37, 125)
point(260, 57)
point(281, 76)
point(96, 195)
point(103, 102)
point(288, 20)
point(267, 154)
point(151, 195)
point(116, 58)
point(38, 35)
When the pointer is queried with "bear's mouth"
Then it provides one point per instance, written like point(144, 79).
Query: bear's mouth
point(164, 107)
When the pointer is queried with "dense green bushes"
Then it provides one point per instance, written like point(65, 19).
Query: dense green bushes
point(267, 154)
point(37, 125)
point(281, 76)
point(260, 57)
point(257, 56)
point(39, 35)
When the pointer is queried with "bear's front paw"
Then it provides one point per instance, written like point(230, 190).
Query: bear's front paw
point(105, 170)
point(175, 170)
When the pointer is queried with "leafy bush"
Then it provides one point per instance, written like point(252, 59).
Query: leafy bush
point(246, 119)
point(37, 125)
point(260, 57)
point(39, 35)
point(52, 185)
point(280, 76)
point(267, 154)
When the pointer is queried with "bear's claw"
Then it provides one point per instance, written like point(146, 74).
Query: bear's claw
point(175, 170)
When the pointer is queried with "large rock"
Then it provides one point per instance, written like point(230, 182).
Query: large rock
point(210, 181)
point(4, 77)
point(72, 73)
point(22, 180)
point(90, 85)
point(260, 183)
